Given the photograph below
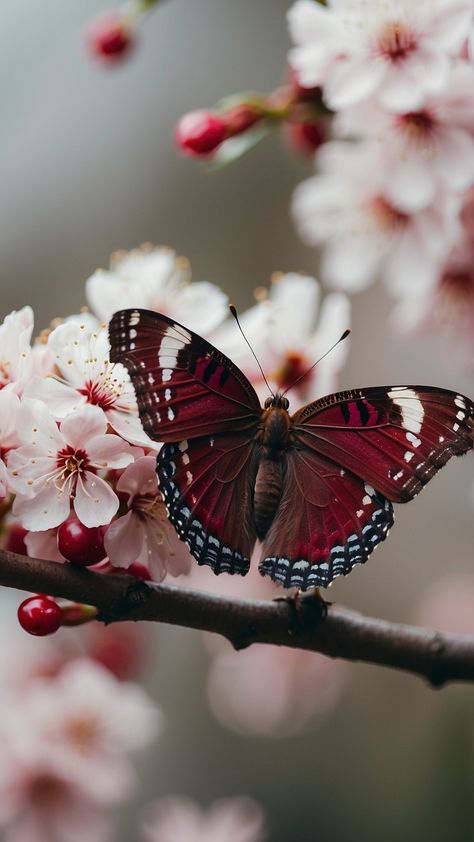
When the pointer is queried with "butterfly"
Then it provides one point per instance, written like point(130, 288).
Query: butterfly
point(315, 488)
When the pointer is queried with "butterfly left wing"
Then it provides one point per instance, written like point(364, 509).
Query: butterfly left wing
point(207, 484)
point(328, 521)
point(394, 437)
point(185, 387)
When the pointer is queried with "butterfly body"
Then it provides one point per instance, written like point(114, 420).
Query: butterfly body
point(315, 488)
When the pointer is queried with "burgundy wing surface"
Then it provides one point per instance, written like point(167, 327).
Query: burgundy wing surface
point(185, 388)
point(394, 437)
point(354, 452)
point(193, 398)
point(328, 521)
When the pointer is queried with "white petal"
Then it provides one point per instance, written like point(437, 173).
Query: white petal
point(37, 427)
point(59, 397)
point(128, 425)
point(352, 81)
point(109, 451)
point(95, 503)
point(124, 540)
point(47, 509)
point(84, 424)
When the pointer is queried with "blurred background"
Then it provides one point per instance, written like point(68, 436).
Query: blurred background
point(88, 166)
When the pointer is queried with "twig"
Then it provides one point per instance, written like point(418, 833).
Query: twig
point(338, 632)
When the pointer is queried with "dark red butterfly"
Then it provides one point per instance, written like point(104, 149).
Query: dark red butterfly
point(316, 487)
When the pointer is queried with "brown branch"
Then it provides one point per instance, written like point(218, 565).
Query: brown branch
point(339, 632)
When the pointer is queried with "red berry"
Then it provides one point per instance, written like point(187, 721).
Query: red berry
point(199, 133)
point(40, 615)
point(109, 37)
point(81, 544)
point(15, 540)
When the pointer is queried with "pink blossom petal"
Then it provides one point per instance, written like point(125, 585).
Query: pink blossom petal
point(84, 424)
point(140, 477)
point(124, 540)
point(410, 185)
point(352, 81)
point(60, 398)
point(128, 425)
point(454, 161)
point(43, 545)
point(47, 509)
point(95, 503)
point(109, 451)
point(450, 24)
point(37, 427)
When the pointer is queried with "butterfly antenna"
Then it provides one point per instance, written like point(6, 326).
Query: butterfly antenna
point(341, 338)
point(234, 313)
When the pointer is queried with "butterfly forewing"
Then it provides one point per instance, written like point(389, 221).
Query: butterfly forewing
point(184, 387)
point(396, 438)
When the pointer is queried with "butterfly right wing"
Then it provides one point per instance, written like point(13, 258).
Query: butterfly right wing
point(208, 484)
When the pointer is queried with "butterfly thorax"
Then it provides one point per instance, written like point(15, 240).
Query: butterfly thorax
point(274, 440)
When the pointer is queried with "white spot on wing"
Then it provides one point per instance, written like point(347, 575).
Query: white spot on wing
point(171, 415)
point(416, 442)
point(411, 407)
point(167, 374)
point(408, 456)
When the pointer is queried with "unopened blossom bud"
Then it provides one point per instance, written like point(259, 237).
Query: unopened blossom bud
point(199, 133)
point(109, 37)
point(306, 137)
point(241, 118)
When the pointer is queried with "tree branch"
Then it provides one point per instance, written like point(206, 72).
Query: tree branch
point(338, 632)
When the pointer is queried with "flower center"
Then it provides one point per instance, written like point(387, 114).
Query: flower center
point(71, 461)
point(395, 41)
point(387, 216)
point(98, 394)
point(294, 366)
point(83, 734)
point(46, 790)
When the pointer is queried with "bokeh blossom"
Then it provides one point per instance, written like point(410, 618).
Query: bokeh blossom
point(397, 51)
point(176, 819)
point(289, 329)
point(157, 280)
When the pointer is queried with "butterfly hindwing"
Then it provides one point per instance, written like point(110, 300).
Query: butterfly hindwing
point(328, 521)
point(395, 438)
point(207, 484)
point(185, 387)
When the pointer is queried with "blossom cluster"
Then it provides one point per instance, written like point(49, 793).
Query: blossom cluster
point(75, 462)
point(393, 185)
point(69, 729)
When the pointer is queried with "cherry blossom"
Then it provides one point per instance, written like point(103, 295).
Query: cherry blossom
point(55, 467)
point(15, 349)
point(157, 280)
point(86, 375)
point(289, 331)
point(273, 690)
point(426, 151)
point(448, 309)
point(346, 209)
point(144, 533)
point(9, 409)
point(398, 51)
point(87, 722)
point(175, 819)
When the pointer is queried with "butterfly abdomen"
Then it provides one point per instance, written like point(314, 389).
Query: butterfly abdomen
point(274, 439)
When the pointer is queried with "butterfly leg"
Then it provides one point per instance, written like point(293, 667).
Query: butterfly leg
point(305, 607)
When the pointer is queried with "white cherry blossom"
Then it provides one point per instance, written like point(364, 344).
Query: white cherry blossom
point(289, 330)
point(144, 533)
point(56, 467)
point(9, 409)
point(87, 722)
point(175, 819)
point(346, 209)
point(157, 280)
point(398, 51)
point(426, 151)
point(85, 375)
point(15, 349)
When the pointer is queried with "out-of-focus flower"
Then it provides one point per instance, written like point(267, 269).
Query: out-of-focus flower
point(364, 233)
point(397, 51)
point(144, 533)
point(273, 690)
point(15, 349)
point(38, 805)
point(449, 308)
point(289, 331)
point(199, 133)
point(446, 604)
point(158, 280)
point(424, 151)
point(55, 467)
point(181, 820)
point(87, 723)
point(9, 409)
point(110, 38)
point(86, 375)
